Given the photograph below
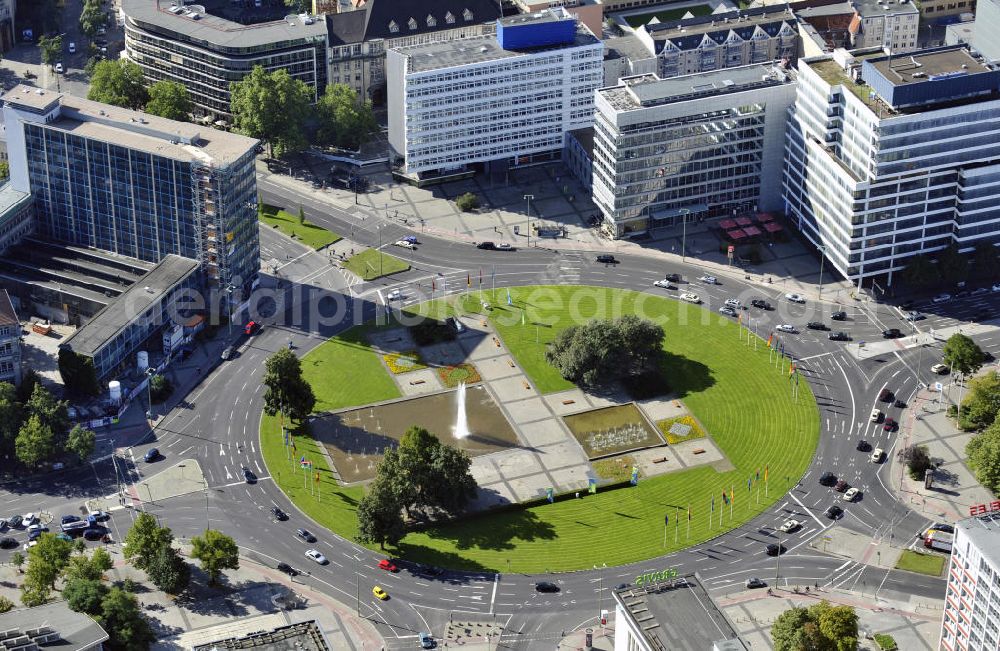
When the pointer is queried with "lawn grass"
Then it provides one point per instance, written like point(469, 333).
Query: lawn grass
point(366, 264)
point(307, 232)
point(667, 15)
point(733, 390)
point(912, 561)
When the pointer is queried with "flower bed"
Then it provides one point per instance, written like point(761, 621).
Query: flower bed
point(403, 362)
point(452, 376)
point(615, 468)
point(687, 421)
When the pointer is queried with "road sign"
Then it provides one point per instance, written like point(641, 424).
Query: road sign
point(938, 386)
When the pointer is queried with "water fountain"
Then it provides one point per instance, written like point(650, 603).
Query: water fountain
point(461, 420)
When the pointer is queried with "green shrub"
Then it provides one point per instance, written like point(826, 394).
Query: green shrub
point(467, 202)
point(885, 642)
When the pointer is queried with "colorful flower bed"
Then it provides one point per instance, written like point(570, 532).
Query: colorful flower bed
point(403, 362)
point(452, 376)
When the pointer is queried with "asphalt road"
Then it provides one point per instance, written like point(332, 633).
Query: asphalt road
point(218, 426)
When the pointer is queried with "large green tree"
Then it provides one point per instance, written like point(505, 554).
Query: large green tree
point(217, 552)
point(920, 272)
point(380, 516)
point(604, 350)
point(344, 120)
point(35, 442)
point(91, 568)
point(821, 627)
point(962, 354)
point(10, 418)
point(92, 17)
point(952, 265)
point(273, 107)
point(983, 452)
point(169, 99)
point(145, 539)
point(84, 595)
point(46, 561)
point(81, 442)
point(431, 474)
point(986, 261)
point(787, 630)
point(299, 6)
point(118, 82)
point(52, 412)
point(51, 48)
point(121, 617)
point(837, 624)
point(78, 373)
point(168, 571)
point(981, 406)
point(286, 390)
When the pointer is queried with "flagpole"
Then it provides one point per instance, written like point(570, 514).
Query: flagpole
point(677, 525)
point(689, 522)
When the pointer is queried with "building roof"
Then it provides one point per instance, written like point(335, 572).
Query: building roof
point(375, 18)
point(304, 636)
point(449, 54)
point(585, 137)
point(215, 31)
point(7, 314)
point(675, 614)
point(688, 33)
point(647, 90)
point(984, 533)
point(927, 65)
point(872, 8)
point(152, 288)
point(52, 625)
point(628, 46)
point(11, 200)
point(134, 129)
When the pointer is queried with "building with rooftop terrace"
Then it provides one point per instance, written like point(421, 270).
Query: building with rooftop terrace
point(492, 102)
point(888, 24)
point(891, 157)
point(689, 147)
point(206, 47)
point(723, 40)
point(972, 601)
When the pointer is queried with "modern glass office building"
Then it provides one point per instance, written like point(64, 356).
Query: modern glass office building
point(701, 145)
point(889, 157)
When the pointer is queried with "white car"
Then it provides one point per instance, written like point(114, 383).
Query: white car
point(709, 280)
point(28, 545)
point(789, 525)
point(316, 556)
point(876, 416)
point(941, 298)
point(939, 369)
point(733, 302)
point(394, 295)
point(690, 298)
point(795, 298)
point(503, 246)
point(877, 455)
point(404, 244)
point(72, 47)
point(996, 287)
point(784, 327)
point(851, 494)
point(665, 284)
point(728, 311)
point(980, 290)
point(59, 67)
point(28, 519)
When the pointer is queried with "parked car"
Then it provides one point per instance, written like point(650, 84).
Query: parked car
point(305, 535)
point(774, 549)
point(95, 533)
point(709, 280)
point(379, 593)
point(878, 455)
point(63, 536)
point(941, 298)
point(851, 494)
point(733, 302)
point(394, 295)
point(316, 556)
point(35, 533)
point(66, 519)
point(876, 416)
point(59, 67)
point(14, 521)
point(486, 246)
point(546, 586)
point(663, 284)
point(504, 246)
point(913, 315)
point(690, 298)
point(841, 486)
point(426, 641)
point(885, 395)
point(28, 519)
point(151, 455)
point(839, 336)
point(728, 311)
point(833, 512)
point(889, 425)
point(71, 47)
point(248, 476)
point(228, 352)
point(789, 526)
point(892, 333)
point(606, 258)
point(674, 278)
point(795, 298)
point(940, 369)
point(786, 327)
point(943, 527)
point(828, 478)
point(754, 582)
point(863, 446)
point(100, 516)
point(817, 325)
point(288, 569)
point(839, 315)
point(899, 404)
point(252, 327)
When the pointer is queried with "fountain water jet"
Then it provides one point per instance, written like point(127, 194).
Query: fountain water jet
point(461, 420)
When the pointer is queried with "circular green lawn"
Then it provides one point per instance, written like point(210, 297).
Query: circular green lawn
point(743, 399)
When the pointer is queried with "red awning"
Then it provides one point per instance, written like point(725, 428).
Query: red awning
point(743, 221)
point(751, 231)
point(727, 224)
point(771, 227)
point(736, 234)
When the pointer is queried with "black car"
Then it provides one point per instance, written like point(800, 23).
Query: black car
point(839, 316)
point(674, 278)
point(839, 336)
point(66, 519)
point(885, 395)
point(546, 586)
point(773, 549)
point(816, 325)
point(288, 569)
point(892, 333)
point(841, 486)
point(7, 543)
point(305, 535)
point(833, 512)
point(828, 478)
point(760, 303)
point(863, 446)
point(152, 455)
point(431, 571)
point(35, 533)
point(943, 527)
point(754, 582)
point(606, 258)
point(621, 586)
point(899, 404)
point(95, 533)
point(488, 246)
point(249, 476)
point(278, 514)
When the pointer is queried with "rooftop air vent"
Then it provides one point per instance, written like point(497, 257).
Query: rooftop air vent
point(483, 48)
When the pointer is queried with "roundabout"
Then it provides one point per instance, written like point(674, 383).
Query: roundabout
point(757, 414)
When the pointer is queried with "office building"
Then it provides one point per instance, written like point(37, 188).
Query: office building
point(136, 185)
point(500, 102)
point(888, 25)
point(588, 12)
point(724, 40)
point(987, 26)
point(359, 39)
point(204, 48)
point(893, 157)
point(8, 15)
point(10, 341)
point(16, 216)
point(972, 600)
point(824, 25)
point(661, 610)
point(960, 33)
point(53, 625)
point(943, 12)
point(695, 146)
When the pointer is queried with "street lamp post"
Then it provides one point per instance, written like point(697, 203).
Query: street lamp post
point(822, 259)
point(684, 231)
point(229, 310)
point(150, 372)
point(528, 198)
point(600, 588)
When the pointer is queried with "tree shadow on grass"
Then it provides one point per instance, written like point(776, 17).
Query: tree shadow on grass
point(685, 375)
point(439, 558)
point(503, 531)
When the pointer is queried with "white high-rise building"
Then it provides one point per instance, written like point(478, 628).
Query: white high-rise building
point(889, 157)
point(972, 601)
point(502, 101)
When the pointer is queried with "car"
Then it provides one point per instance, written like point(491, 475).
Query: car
point(863, 446)
point(28, 519)
point(760, 303)
point(3, 524)
point(996, 287)
point(885, 395)
point(941, 298)
point(316, 556)
point(674, 278)
point(789, 526)
point(380, 593)
point(785, 327)
point(546, 586)
point(251, 327)
point(709, 280)
point(394, 295)
point(426, 641)
point(795, 298)
point(878, 455)
point(663, 284)
point(404, 244)
point(288, 569)
point(151, 455)
point(455, 324)
point(690, 298)
point(30, 75)
point(828, 478)
point(940, 369)
point(913, 315)
point(851, 494)
point(817, 325)
point(59, 67)
point(305, 535)
point(278, 514)
point(71, 47)
point(621, 586)
point(64, 536)
point(95, 533)
point(892, 333)
point(728, 311)
point(14, 521)
point(841, 486)
point(28, 545)
point(248, 476)
point(66, 519)
point(774, 549)
point(876, 416)
point(606, 258)
point(486, 246)
point(833, 512)
point(943, 527)
point(35, 533)
point(733, 302)
point(839, 336)
point(754, 582)
point(228, 352)
point(889, 425)
point(430, 571)
point(37, 527)
point(839, 315)
point(99, 516)
point(387, 565)
point(899, 404)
